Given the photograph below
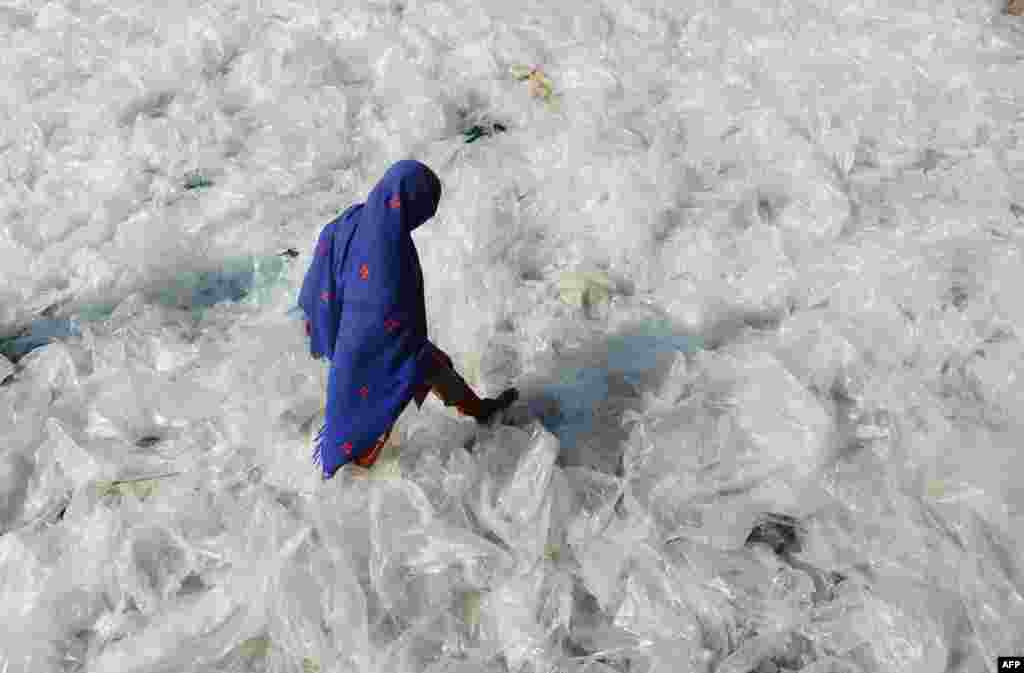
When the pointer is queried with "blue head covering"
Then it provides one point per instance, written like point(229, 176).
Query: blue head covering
point(363, 296)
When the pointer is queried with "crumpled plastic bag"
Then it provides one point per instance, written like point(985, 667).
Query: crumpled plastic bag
point(786, 425)
point(519, 497)
point(136, 402)
point(816, 353)
point(747, 436)
point(590, 290)
point(24, 408)
point(651, 608)
point(449, 546)
point(417, 559)
point(261, 554)
point(885, 632)
point(753, 651)
point(500, 366)
point(300, 643)
point(6, 369)
point(153, 565)
point(595, 495)
point(67, 606)
point(424, 645)
point(522, 615)
point(990, 580)
point(49, 487)
point(518, 501)
point(317, 608)
point(28, 651)
point(53, 366)
point(29, 619)
point(315, 616)
point(23, 577)
point(400, 516)
point(15, 472)
point(75, 462)
point(195, 630)
point(603, 557)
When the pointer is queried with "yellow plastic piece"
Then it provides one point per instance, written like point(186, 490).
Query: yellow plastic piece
point(471, 608)
point(255, 648)
point(936, 488)
point(578, 288)
point(259, 648)
point(140, 488)
point(540, 86)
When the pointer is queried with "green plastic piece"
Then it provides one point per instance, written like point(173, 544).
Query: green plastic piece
point(477, 132)
point(195, 180)
point(255, 648)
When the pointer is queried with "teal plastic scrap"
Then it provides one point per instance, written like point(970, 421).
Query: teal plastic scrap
point(481, 131)
point(195, 180)
point(252, 279)
point(40, 333)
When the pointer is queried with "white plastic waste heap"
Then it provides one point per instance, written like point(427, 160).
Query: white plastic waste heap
point(754, 268)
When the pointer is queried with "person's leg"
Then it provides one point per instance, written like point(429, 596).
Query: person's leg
point(447, 385)
point(453, 391)
point(370, 457)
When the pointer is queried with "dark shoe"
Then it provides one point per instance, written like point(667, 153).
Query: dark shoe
point(491, 406)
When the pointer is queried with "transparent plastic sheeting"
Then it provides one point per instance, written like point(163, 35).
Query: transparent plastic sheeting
point(254, 281)
point(145, 532)
point(814, 469)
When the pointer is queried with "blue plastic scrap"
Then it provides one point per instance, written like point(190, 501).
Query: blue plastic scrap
point(41, 332)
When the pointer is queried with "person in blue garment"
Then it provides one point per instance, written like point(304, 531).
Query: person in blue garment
point(365, 312)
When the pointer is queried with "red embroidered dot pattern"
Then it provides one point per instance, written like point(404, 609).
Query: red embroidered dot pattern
point(389, 324)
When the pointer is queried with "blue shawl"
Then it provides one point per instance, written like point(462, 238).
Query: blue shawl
point(363, 297)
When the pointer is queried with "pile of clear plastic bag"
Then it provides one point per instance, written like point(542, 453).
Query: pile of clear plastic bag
point(147, 532)
point(755, 276)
